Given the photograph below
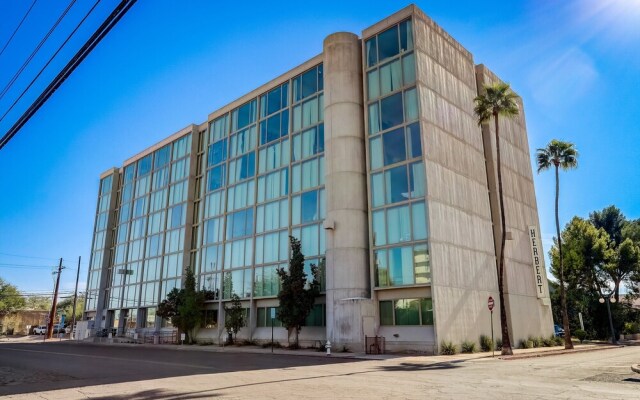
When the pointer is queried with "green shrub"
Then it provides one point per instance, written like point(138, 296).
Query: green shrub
point(526, 344)
point(559, 340)
point(276, 345)
point(536, 341)
point(448, 348)
point(499, 344)
point(631, 328)
point(548, 342)
point(468, 347)
point(486, 344)
point(580, 334)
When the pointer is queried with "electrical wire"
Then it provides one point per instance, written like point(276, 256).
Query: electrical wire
point(48, 62)
point(18, 27)
point(35, 51)
point(23, 256)
point(99, 34)
point(11, 265)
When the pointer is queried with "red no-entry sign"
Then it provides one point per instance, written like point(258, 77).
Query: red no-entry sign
point(490, 303)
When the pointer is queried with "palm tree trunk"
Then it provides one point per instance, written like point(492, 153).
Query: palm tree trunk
point(563, 296)
point(506, 340)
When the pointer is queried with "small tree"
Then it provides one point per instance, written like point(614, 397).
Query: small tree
point(10, 298)
point(297, 295)
point(234, 317)
point(183, 307)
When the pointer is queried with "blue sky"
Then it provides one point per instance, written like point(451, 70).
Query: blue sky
point(168, 64)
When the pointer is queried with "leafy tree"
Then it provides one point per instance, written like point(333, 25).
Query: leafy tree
point(559, 154)
point(65, 307)
point(10, 298)
point(38, 303)
point(611, 220)
point(498, 100)
point(297, 295)
point(183, 307)
point(234, 317)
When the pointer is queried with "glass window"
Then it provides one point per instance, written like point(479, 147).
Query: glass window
point(214, 204)
point(143, 185)
point(391, 111)
point(241, 196)
point(379, 228)
point(274, 156)
point(419, 221)
point(397, 188)
point(160, 178)
point(394, 146)
point(127, 192)
point(372, 52)
point(219, 128)
point(426, 311)
point(406, 36)
point(176, 217)
point(182, 147)
point(390, 77)
point(244, 115)
point(373, 85)
point(411, 104)
point(401, 266)
point(273, 185)
point(240, 223)
point(407, 312)
point(129, 173)
point(217, 152)
point(388, 44)
point(272, 216)
point(216, 177)
point(418, 179)
point(179, 170)
point(213, 230)
point(105, 185)
point(162, 157)
point(144, 165)
point(413, 138)
point(156, 222)
point(243, 141)
point(242, 168)
point(386, 312)
point(377, 190)
point(398, 224)
point(154, 245)
point(422, 269)
point(374, 118)
point(409, 69)
point(309, 206)
point(158, 200)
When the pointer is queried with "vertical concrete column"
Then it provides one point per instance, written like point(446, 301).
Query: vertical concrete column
point(347, 266)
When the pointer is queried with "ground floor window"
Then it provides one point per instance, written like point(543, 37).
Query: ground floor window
point(209, 319)
point(317, 316)
point(264, 317)
point(406, 312)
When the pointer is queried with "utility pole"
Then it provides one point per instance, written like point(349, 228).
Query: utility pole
point(75, 297)
point(52, 314)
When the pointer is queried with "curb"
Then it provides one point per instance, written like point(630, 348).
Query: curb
point(559, 352)
point(636, 368)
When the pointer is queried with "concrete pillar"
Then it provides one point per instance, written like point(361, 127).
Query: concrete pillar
point(347, 264)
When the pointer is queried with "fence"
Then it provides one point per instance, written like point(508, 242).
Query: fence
point(374, 344)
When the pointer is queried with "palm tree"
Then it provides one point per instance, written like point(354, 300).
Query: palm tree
point(563, 155)
point(499, 100)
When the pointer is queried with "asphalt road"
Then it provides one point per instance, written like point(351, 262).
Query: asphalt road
point(75, 371)
point(34, 367)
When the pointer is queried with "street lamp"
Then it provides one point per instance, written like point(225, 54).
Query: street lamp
point(608, 298)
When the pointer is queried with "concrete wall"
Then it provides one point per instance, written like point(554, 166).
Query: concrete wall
point(528, 315)
point(461, 237)
point(347, 261)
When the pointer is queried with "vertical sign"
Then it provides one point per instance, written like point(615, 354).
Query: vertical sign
point(538, 263)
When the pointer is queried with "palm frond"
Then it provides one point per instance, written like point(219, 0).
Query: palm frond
point(559, 153)
point(497, 99)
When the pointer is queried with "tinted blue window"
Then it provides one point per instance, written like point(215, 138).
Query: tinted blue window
point(240, 224)
point(391, 111)
point(413, 134)
point(309, 83)
point(273, 128)
point(406, 36)
point(397, 187)
point(320, 139)
point(244, 115)
point(247, 166)
point(388, 45)
point(162, 157)
point(216, 178)
point(217, 152)
point(274, 101)
point(372, 54)
point(320, 77)
point(309, 206)
point(144, 165)
point(394, 146)
point(284, 126)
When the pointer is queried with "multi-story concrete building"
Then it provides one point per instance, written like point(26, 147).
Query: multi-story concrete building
point(371, 155)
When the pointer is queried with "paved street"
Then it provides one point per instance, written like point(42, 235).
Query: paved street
point(65, 370)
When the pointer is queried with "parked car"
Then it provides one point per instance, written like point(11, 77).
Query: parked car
point(558, 331)
point(57, 328)
point(40, 330)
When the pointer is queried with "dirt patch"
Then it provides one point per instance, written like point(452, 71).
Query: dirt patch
point(12, 376)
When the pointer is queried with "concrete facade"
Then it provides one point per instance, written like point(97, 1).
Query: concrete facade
point(307, 155)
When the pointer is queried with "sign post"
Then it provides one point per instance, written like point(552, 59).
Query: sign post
point(273, 316)
point(490, 305)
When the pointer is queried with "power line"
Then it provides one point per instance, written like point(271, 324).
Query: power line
point(23, 256)
point(11, 265)
point(48, 62)
point(18, 27)
point(35, 51)
point(99, 34)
